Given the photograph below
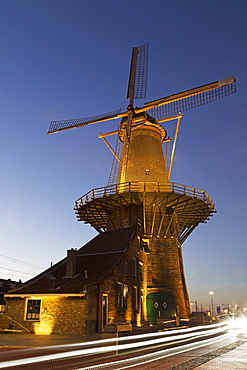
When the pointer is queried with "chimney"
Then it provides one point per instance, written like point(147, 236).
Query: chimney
point(71, 263)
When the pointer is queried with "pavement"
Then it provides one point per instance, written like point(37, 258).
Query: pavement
point(26, 340)
point(232, 360)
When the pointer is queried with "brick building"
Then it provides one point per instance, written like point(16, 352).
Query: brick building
point(100, 284)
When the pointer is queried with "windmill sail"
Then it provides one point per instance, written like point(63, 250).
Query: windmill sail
point(189, 99)
point(62, 125)
point(137, 86)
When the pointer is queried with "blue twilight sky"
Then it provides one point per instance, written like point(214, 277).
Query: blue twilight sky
point(63, 59)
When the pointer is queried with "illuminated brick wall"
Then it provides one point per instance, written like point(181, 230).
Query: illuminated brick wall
point(59, 315)
point(165, 272)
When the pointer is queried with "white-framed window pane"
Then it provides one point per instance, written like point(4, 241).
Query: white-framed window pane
point(33, 309)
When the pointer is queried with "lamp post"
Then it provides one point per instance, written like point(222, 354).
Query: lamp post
point(212, 304)
point(235, 310)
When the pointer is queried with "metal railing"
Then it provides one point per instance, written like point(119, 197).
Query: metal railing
point(144, 187)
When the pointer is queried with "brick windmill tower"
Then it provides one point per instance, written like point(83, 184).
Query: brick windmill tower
point(139, 191)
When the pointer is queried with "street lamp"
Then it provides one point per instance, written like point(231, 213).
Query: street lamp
point(235, 310)
point(212, 304)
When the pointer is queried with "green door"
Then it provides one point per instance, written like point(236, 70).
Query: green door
point(160, 304)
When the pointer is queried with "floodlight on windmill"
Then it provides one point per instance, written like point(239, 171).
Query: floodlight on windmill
point(154, 112)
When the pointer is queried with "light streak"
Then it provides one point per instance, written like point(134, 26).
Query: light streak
point(166, 337)
point(140, 336)
point(157, 355)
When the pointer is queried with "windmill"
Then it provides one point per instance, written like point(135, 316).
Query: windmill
point(139, 190)
point(162, 110)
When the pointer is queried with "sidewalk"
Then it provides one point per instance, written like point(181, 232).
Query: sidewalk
point(232, 360)
point(26, 340)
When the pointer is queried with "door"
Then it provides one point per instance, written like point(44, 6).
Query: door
point(160, 304)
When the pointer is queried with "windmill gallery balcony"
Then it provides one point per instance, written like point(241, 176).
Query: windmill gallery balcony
point(189, 206)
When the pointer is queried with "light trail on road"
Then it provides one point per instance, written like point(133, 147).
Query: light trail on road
point(140, 341)
point(154, 356)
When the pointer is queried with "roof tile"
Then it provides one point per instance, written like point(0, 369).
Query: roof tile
point(94, 260)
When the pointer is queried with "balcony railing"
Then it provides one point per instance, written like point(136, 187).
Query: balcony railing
point(144, 187)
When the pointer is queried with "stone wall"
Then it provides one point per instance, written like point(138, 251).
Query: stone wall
point(16, 311)
point(59, 315)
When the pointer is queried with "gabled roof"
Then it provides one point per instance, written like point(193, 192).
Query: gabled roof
point(93, 261)
point(6, 285)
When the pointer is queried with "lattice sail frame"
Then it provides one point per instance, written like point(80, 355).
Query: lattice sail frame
point(67, 124)
point(139, 72)
point(189, 99)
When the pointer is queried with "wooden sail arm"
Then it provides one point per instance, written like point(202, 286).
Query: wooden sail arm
point(102, 136)
point(173, 148)
point(191, 92)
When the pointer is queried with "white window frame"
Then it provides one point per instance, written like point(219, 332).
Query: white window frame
point(26, 309)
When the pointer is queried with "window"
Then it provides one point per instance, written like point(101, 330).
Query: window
point(122, 291)
point(119, 295)
point(134, 298)
point(125, 291)
point(144, 244)
point(33, 309)
point(134, 262)
point(141, 271)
